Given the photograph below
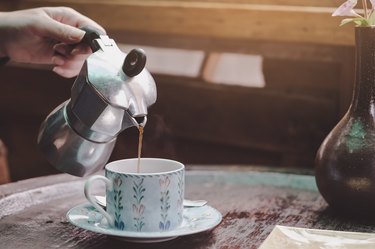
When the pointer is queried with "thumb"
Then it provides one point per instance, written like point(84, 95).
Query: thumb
point(62, 32)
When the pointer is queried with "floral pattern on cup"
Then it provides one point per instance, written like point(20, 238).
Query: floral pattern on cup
point(138, 207)
point(117, 198)
point(180, 200)
point(164, 203)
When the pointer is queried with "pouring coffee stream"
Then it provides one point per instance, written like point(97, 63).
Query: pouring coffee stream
point(111, 93)
point(140, 141)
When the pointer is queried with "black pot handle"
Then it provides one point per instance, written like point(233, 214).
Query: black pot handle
point(90, 36)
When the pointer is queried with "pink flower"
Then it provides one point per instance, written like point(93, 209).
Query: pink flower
point(138, 210)
point(373, 3)
point(164, 183)
point(346, 9)
point(117, 181)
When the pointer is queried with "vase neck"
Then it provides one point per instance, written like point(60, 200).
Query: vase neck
point(364, 87)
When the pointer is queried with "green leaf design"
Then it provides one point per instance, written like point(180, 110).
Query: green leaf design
point(138, 190)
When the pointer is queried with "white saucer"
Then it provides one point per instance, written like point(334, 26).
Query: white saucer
point(195, 220)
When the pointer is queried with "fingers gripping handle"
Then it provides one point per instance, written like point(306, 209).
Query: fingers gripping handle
point(90, 198)
point(90, 35)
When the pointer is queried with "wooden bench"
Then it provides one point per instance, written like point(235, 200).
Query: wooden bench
point(308, 64)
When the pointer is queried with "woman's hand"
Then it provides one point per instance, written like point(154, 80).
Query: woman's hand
point(47, 35)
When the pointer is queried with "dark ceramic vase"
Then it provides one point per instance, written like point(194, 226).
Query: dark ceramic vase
point(345, 162)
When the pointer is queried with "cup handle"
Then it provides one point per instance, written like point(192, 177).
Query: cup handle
point(89, 197)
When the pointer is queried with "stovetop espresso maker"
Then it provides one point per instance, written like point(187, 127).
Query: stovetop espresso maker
point(111, 93)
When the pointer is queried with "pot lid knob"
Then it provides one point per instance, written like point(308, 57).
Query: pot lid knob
point(134, 62)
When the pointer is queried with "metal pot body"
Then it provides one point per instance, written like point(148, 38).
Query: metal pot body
point(67, 150)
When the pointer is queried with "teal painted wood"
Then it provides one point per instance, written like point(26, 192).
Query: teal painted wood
point(303, 182)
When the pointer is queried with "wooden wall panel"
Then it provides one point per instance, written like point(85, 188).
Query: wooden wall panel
point(311, 78)
point(6, 5)
point(257, 22)
point(27, 96)
point(317, 3)
point(246, 117)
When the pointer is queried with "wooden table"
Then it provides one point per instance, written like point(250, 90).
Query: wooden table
point(251, 200)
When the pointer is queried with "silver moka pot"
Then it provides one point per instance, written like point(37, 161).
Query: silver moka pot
point(111, 93)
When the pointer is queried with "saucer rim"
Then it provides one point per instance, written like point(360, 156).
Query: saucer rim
point(145, 235)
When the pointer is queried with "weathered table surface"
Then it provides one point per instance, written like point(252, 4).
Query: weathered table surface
point(252, 202)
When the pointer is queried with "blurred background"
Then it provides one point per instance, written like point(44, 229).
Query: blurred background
point(240, 82)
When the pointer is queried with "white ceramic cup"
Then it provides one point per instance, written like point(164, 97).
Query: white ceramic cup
point(148, 201)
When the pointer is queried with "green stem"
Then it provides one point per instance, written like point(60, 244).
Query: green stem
point(364, 3)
